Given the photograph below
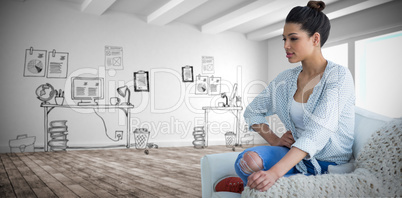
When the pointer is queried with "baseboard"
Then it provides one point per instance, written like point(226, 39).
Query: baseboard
point(166, 143)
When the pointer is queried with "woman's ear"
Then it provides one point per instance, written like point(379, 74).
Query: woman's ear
point(317, 39)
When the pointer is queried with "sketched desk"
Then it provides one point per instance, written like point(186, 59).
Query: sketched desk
point(237, 122)
point(49, 107)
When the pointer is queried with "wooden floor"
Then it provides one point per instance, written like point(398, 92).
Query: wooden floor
point(165, 172)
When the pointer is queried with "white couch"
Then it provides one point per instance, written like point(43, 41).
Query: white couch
point(216, 166)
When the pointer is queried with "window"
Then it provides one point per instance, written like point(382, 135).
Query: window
point(378, 74)
point(337, 54)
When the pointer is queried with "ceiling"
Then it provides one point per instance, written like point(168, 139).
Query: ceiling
point(257, 19)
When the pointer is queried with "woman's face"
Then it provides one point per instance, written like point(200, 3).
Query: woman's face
point(297, 43)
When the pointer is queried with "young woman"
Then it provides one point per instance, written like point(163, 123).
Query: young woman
point(315, 102)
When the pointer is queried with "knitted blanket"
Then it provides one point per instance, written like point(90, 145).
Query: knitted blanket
point(378, 173)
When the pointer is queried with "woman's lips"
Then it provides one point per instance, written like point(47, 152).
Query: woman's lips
point(289, 55)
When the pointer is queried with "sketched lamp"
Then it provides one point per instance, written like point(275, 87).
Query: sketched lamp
point(223, 95)
point(124, 91)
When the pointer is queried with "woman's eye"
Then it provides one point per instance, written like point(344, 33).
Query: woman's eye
point(283, 39)
point(293, 39)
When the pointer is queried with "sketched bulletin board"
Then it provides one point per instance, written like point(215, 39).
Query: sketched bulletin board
point(113, 57)
point(35, 63)
point(57, 64)
point(201, 85)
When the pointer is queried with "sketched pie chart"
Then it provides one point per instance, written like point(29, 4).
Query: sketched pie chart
point(202, 87)
point(35, 66)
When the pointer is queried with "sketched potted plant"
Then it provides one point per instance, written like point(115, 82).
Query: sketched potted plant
point(59, 99)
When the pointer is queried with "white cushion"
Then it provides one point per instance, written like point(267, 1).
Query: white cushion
point(366, 122)
point(215, 167)
point(343, 168)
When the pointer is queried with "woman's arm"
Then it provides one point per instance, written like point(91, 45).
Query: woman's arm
point(263, 180)
point(273, 140)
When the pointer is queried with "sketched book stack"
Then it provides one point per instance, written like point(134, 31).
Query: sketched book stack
point(199, 137)
point(58, 135)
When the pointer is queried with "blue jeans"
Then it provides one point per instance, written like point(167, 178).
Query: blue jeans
point(270, 155)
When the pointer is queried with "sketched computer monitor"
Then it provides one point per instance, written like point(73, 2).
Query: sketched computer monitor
point(87, 90)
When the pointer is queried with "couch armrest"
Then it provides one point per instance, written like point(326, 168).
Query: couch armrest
point(214, 167)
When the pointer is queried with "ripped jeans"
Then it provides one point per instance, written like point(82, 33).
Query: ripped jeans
point(264, 157)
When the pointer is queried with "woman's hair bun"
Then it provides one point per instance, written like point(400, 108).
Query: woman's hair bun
point(316, 5)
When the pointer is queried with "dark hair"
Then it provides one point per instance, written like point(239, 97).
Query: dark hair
point(312, 19)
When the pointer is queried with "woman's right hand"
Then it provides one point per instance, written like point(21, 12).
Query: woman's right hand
point(286, 140)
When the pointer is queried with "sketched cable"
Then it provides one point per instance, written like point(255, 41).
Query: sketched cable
point(104, 125)
point(235, 114)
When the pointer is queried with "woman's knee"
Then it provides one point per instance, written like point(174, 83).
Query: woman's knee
point(251, 162)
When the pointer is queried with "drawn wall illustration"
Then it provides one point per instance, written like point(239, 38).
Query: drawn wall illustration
point(208, 65)
point(39, 63)
point(23, 143)
point(145, 47)
point(141, 81)
point(57, 64)
point(201, 85)
point(187, 73)
point(45, 93)
point(214, 85)
point(58, 131)
point(114, 57)
point(35, 62)
point(199, 137)
point(87, 89)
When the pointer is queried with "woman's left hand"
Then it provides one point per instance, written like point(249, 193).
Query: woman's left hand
point(262, 180)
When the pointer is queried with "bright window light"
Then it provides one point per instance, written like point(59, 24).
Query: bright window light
point(378, 74)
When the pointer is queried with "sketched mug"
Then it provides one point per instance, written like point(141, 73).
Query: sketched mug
point(114, 101)
point(59, 100)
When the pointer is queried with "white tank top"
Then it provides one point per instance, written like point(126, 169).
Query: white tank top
point(296, 114)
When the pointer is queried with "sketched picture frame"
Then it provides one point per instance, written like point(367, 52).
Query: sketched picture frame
point(141, 81)
point(187, 73)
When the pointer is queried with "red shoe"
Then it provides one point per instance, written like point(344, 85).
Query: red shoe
point(229, 184)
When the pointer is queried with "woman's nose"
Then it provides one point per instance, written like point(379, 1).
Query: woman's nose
point(286, 45)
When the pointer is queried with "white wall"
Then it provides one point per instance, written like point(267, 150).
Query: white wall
point(379, 20)
point(170, 110)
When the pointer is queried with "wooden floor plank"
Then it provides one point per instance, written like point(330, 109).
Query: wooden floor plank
point(52, 183)
point(79, 171)
point(20, 186)
point(6, 189)
point(165, 172)
point(44, 192)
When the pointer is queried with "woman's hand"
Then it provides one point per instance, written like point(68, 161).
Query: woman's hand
point(286, 140)
point(262, 180)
